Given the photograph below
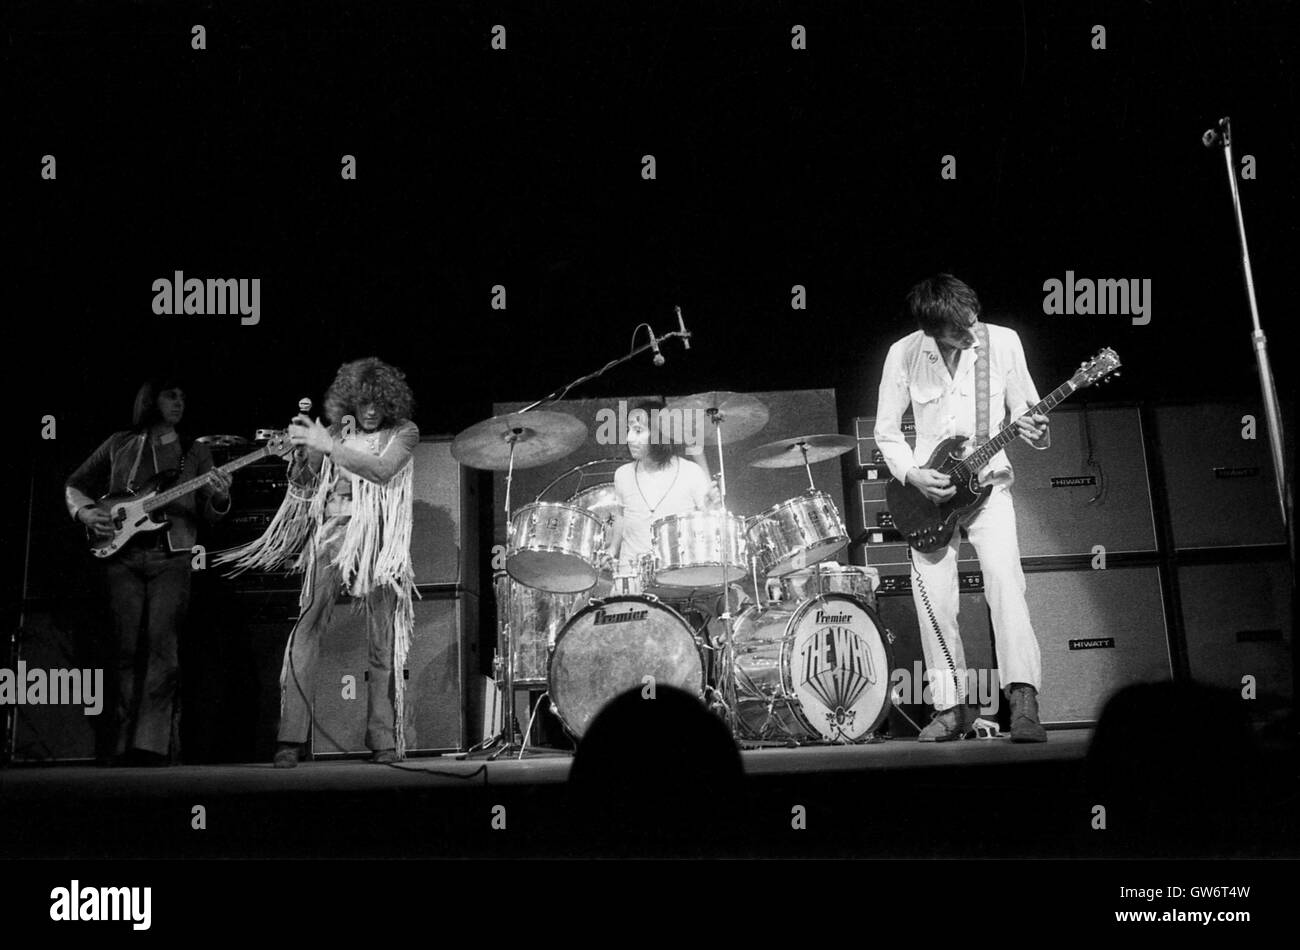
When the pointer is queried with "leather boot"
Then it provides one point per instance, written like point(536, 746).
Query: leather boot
point(286, 755)
point(949, 724)
point(1025, 726)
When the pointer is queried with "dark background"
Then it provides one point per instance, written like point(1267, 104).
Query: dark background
point(523, 168)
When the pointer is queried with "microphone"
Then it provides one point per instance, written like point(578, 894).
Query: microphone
point(654, 345)
point(1218, 134)
point(681, 325)
point(304, 406)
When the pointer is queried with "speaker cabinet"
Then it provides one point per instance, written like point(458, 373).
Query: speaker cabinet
point(60, 636)
point(444, 537)
point(1220, 485)
point(898, 613)
point(1090, 487)
point(1098, 631)
point(436, 674)
point(1237, 621)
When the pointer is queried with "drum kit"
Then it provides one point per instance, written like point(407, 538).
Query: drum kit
point(806, 660)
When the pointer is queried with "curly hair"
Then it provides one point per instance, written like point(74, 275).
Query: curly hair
point(370, 380)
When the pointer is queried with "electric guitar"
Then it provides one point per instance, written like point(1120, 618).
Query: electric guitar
point(141, 510)
point(928, 526)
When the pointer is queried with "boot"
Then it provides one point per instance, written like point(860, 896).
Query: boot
point(286, 755)
point(949, 724)
point(383, 756)
point(1025, 726)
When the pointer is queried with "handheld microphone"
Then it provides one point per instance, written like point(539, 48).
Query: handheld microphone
point(304, 406)
point(681, 325)
point(654, 345)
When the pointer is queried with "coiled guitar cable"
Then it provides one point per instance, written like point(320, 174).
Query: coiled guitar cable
point(943, 644)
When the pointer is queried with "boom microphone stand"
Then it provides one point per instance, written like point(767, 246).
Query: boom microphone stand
point(1221, 134)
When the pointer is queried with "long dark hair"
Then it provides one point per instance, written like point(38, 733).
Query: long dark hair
point(660, 449)
point(144, 412)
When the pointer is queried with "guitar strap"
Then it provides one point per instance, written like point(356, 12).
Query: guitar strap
point(982, 384)
point(135, 467)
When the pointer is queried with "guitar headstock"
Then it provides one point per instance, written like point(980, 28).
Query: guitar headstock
point(1096, 369)
point(277, 442)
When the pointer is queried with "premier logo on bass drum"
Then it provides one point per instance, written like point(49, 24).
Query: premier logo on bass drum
point(603, 617)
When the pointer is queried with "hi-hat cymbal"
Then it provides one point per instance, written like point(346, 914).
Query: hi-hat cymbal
point(539, 437)
point(222, 441)
point(738, 415)
point(788, 453)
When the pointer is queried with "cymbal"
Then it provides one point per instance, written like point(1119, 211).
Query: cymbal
point(222, 441)
point(788, 453)
point(538, 437)
point(740, 414)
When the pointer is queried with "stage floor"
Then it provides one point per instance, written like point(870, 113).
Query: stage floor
point(896, 799)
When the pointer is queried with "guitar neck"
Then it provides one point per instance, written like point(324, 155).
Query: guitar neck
point(984, 454)
point(162, 499)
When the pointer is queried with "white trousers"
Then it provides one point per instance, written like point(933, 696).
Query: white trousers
point(935, 592)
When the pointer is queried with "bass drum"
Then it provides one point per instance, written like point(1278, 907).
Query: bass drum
point(818, 670)
point(608, 648)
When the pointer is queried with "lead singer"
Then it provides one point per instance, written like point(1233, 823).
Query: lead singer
point(347, 520)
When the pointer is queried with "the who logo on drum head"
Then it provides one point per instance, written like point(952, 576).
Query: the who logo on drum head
point(836, 665)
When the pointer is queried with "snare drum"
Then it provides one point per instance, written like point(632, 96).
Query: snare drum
point(534, 619)
point(818, 670)
point(831, 578)
point(555, 547)
point(695, 548)
point(607, 648)
point(797, 533)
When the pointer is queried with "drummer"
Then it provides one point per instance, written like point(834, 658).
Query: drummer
point(657, 483)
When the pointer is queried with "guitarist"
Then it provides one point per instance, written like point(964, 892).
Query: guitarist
point(149, 580)
point(935, 370)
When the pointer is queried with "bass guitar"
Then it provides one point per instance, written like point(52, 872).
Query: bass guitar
point(928, 526)
point(141, 510)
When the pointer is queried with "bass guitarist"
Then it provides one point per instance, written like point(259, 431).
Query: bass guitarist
point(149, 580)
point(936, 369)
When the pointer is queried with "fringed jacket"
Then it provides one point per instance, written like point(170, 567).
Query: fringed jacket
point(367, 480)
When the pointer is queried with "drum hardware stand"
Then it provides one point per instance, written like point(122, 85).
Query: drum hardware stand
point(803, 447)
point(503, 743)
point(728, 645)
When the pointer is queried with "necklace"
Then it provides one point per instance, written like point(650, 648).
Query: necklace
point(636, 474)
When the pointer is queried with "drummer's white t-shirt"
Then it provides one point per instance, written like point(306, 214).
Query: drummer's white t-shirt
point(647, 496)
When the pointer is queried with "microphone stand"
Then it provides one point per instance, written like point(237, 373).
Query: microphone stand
point(1266, 383)
point(563, 391)
point(1222, 134)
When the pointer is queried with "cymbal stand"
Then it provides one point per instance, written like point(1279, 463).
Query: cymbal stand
point(728, 645)
point(503, 743)
point(803, 447)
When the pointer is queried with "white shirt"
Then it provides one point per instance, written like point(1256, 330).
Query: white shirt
point(944, 405)
point(680, 487)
